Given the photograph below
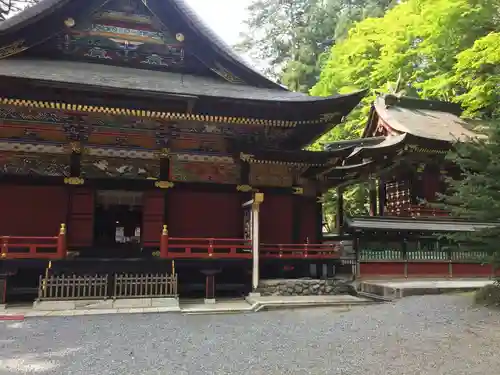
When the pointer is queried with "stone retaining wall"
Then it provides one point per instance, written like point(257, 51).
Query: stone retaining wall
point(305, 287)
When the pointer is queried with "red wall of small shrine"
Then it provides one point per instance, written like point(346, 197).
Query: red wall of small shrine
point(276, 219)
point(204, 214)
point(425, 269)
point(308, 220)
point(32, 210)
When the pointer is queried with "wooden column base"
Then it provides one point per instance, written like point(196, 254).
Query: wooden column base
point(3, 288)
point(210, 285)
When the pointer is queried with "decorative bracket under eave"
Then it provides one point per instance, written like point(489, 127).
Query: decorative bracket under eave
point(74, 181)
point(246, 157)
point(164, 153)
point(244, 188)
point(164, 184)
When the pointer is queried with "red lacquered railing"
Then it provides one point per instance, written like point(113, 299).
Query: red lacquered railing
point(216, 248)
point(19, 247)
point(300, 251)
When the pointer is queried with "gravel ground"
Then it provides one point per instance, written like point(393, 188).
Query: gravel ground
point(418, 335)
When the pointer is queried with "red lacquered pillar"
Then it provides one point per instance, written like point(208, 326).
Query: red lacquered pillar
point(164, 243)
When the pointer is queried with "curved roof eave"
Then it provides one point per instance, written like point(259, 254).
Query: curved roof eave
point(46, 7)
point(223, 47)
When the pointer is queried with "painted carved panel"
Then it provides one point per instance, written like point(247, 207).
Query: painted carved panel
point(199, 143)
point(124, 31)
point(100, 129)
point(33, 164)
point(137, 169)
point(274, 175)
point(131, 138)
point(32, 132)
point(200, 171)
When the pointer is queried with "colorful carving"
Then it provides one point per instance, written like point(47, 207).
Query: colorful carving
point(276, 175)
point(199, 143)
point(124, 31)
point(33, 164)
point(219, 173)
point(137, 169)
point(120, 129)
point(13, 48)
point(131, 138)
point(247, 224)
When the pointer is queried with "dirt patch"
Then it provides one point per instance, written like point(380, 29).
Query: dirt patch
point(489, 295)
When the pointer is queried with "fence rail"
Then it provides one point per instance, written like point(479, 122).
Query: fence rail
point(63, 287)
point(300, 251)
point(418, 256)
point(207, 248)
point(73, 287)
point(145, 286)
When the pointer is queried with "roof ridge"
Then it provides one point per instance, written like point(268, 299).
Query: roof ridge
point(425, 104)
point(226, 48)
point(29, 13)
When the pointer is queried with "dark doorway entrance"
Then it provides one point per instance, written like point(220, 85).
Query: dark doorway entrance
point(118, 223)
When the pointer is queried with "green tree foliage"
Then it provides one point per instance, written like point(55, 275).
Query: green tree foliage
point(355, 204)
point(476, 195)
point(291, 35)
point(438, 49)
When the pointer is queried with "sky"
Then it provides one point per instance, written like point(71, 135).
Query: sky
point(225, 17)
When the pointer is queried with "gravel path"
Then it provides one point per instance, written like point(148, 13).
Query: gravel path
point(419, 335)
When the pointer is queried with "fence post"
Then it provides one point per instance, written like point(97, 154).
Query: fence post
point(210, 247)
point(61, 242)
point(450, 264)
point(164, 243)
point(405, 258)
point(5, 249)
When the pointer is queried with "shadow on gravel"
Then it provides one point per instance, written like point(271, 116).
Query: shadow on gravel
point(488, 296)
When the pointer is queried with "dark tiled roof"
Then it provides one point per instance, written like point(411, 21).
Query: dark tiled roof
point(296, 156)
point(45, 7)
point(379, 147)
point(31, 13)
point(142, 80)
point(213, 37)
point(423, 118)
point(408, 224)
point(350, 143)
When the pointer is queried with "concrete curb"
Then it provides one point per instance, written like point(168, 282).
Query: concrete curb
point(387, 292)
point(252, 307)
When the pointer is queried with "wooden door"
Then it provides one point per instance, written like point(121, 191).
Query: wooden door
point(81, 217)
point(153, 217)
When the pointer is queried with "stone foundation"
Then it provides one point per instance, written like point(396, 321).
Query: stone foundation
point(305, 287)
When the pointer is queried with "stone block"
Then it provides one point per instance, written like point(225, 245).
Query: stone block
point(305, 287)
point(209, 301)
point(165, 302)
point(54, 305)
point(132, 303)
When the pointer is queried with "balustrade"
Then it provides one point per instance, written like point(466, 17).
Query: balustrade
point(32, 247)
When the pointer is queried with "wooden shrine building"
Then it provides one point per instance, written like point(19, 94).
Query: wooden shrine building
point(403, 156)
point(128, 130)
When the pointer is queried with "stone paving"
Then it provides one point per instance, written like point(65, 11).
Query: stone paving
point(252, 304)
point(429, 335)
